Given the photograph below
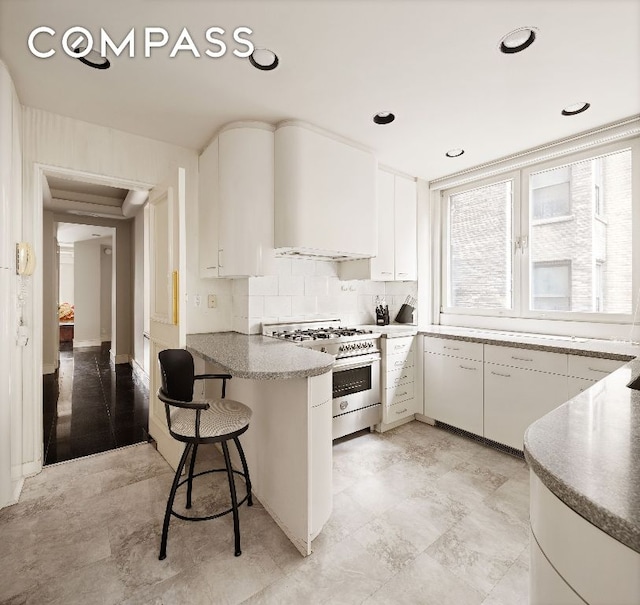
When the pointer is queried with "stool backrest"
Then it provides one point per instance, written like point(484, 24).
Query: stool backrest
point(177, 371)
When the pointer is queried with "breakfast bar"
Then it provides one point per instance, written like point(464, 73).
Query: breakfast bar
point(288, 444)
point(585, 495)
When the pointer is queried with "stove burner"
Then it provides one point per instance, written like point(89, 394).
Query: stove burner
point(318, 333)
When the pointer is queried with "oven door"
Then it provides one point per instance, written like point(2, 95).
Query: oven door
point(356, 383)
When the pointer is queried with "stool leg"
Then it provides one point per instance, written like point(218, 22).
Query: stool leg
point(245, 469)
point(234, 499)
point(172, 495)
point(190, 481)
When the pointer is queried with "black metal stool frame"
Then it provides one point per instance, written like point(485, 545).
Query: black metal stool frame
point(192, 446)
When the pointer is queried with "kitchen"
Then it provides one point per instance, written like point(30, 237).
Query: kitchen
point(106, 135)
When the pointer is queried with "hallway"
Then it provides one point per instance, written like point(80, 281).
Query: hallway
point(91, 406)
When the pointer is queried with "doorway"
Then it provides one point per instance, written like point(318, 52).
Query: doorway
point(95, 394)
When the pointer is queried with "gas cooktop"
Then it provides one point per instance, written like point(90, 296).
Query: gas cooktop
point(327, 336)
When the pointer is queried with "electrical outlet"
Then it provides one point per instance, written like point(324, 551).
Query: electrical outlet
point(212, 301)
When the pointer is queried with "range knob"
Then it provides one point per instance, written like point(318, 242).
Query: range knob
point(341, 348)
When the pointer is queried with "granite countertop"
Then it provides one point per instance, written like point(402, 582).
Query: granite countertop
point(588, 347)
point(392, 330)
point(587, 452)
point(258, 357)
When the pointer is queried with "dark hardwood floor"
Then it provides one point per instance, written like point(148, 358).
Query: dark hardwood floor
point(91, 406)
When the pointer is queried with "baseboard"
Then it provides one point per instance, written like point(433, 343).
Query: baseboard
point(138, 370)
point(48, 368)
point(425, 419)
point(29, 469)
point(81, 344)
point(122, 358)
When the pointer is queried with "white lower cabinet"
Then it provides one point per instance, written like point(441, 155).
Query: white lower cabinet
point(498, 391)
point(573, 561)
point(515, 397)
point(399, 400)
point(453, 391)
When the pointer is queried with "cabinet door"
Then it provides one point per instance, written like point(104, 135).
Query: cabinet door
point(406, 265)
point(208, 200)
point(577, 385)
point(453, 391)
point(382, 265)
point(246, 201)
point(514, 398)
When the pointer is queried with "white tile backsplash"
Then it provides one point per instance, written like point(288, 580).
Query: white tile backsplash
point(278, 306)
point(316, 285)
point(290, 285)
point(264, 286)
point(307, 289)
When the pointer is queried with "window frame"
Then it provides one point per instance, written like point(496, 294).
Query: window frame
point(520, 262)
point(587, 316)
point(514, 177)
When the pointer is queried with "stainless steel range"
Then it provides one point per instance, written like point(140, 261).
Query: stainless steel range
point(356, 373)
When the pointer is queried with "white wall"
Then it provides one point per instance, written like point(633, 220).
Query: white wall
point(50, 333)
point(11, 451)
point(87, 293)
point(306, 289)
point(105, 291)
point(52, 140)
point(65, 289)
point(139, 290)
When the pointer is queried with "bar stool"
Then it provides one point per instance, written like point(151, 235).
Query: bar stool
point(196, 422)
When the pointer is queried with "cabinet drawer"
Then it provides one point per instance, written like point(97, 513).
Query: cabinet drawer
point(403, 409)
point(398, 394)
point(399, 361)
point(455, 348)
point(393, 378)
point(592, 368)
point(528, 359)
point(399, 345)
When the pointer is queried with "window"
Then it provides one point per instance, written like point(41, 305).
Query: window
point(479, 274)
point(551, 286)
point(550, 194)
point(584, 240)
point(536, 244)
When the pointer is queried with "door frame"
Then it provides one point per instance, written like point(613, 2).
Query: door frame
point(32, 367)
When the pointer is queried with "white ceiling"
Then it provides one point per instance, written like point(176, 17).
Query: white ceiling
point(69, 233)
point(434, 63)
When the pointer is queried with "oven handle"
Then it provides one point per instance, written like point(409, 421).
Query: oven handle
point(357, 362)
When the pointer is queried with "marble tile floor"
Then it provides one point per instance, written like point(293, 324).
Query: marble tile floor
point(90, 405)
point(420, 516)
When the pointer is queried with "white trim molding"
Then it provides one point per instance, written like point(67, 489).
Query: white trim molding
point(81, 344)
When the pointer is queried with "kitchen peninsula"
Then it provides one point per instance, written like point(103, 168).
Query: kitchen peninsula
point(288, 444)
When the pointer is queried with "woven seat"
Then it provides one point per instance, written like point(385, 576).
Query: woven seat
point(224, 416)
point(198, 422)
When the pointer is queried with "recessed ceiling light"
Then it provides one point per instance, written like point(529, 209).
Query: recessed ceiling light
point(454, 153)
point(576, 108)
point(264, 59)
point(93, 59)
point(517, 40)
point(384, 117)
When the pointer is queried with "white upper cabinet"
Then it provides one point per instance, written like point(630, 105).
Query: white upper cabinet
point(208, 204)
point(397, 258)
point(325, 198)
point(405, 241)
point(382, 265)
point(236, 202)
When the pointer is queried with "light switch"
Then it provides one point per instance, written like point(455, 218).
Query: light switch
point(213, 301)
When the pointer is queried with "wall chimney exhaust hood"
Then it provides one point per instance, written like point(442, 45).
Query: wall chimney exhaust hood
point(325, 195)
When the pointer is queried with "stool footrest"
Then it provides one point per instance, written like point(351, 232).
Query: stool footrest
point(209, 517)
